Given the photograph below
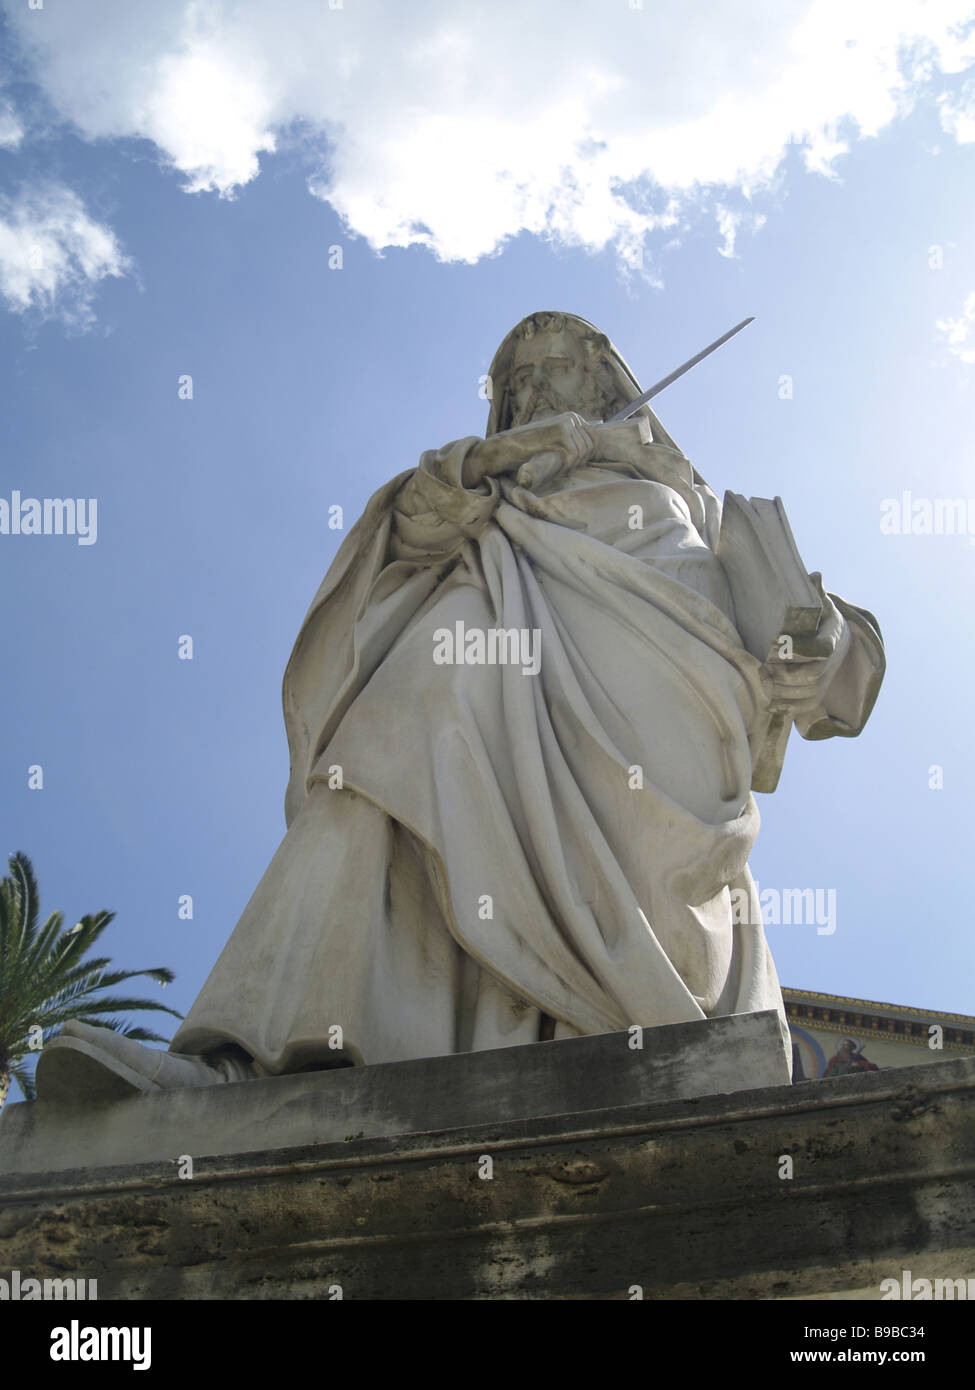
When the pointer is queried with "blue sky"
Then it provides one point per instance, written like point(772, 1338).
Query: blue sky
point(169, 194)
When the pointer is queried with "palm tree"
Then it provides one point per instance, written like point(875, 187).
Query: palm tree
point(44, 981)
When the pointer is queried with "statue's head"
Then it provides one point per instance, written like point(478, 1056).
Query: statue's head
point(553, 362)
point(557, 362)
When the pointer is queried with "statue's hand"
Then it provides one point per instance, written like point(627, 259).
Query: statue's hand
point(801, 678)
point(563, 440)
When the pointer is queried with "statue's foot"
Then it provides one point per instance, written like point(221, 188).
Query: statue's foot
point(84, 1063)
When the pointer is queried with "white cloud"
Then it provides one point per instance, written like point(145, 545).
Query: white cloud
point(729, 222)
point(959, 333)
point(957, 110)
point(457, 127)
point(53, 255)
point(11, 130)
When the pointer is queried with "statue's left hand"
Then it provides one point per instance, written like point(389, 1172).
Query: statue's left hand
point(536, 450)
point(607, 442)
point(802, 678)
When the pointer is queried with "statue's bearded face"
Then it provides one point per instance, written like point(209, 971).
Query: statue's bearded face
point(552, 373)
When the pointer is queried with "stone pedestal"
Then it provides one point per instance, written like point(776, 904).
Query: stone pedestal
point(553, 1176)
point(430, 1093)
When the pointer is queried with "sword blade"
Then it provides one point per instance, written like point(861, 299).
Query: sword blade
point(628, 410)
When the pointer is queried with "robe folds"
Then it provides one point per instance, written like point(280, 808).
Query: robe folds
point(507, 845)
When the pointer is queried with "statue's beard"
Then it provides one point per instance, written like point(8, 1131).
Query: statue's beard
point(591, 405)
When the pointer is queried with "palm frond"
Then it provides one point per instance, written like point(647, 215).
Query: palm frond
point(22, 874)
point(127, 1030)
point(48, 977)
point(24, 1079)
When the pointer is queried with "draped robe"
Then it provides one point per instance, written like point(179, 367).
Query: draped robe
point(503, 845)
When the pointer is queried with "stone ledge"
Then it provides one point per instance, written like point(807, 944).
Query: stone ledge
point(681, 1197)
point(431, 1093)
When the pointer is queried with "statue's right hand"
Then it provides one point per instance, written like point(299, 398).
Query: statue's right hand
point(565, 436)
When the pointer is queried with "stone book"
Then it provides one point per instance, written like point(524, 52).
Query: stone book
point(773, 596)
point(770, 588)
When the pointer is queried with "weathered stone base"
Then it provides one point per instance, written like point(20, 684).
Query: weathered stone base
point(684, 1198)
point(709, 1057)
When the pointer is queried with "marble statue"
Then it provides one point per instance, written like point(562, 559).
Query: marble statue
point(522, 735)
